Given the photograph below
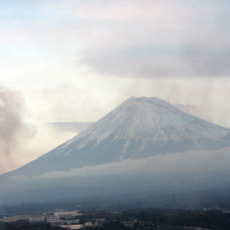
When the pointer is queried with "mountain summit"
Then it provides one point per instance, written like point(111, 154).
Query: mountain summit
point(138, 128)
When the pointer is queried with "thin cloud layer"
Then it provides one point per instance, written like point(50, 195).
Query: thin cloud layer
point(132, 39)
point(151, 39)
point(187, 162)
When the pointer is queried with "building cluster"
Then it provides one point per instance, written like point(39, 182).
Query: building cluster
point(96, 223)
point(65, 219)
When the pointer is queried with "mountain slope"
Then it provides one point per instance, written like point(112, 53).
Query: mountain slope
point(138, 128)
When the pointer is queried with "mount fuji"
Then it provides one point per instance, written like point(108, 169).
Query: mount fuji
point(138, 128)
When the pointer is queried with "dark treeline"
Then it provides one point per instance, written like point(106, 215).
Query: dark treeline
point(173, 219)
point(25, 225)
point(204, 219)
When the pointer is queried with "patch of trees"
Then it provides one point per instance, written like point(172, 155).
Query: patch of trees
point(25, 225)
point(204, 219)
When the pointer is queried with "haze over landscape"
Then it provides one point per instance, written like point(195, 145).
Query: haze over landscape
point(74, 61)
point(114, 99)
point(139, 147)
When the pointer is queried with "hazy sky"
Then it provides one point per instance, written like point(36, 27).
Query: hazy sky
point(75, 60)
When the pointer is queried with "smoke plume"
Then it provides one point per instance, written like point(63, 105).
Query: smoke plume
point(12, 111)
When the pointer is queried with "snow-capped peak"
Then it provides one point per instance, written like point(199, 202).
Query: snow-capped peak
point(138, 128)
point(150, 119)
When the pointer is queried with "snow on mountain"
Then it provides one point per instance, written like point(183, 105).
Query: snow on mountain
point(138, 128)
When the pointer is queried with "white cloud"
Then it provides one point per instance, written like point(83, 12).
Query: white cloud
point(198, 161)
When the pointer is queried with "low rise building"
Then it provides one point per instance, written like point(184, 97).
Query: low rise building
point(37, 218)
point(16, 218)
point(73, 226)
point(66, 214)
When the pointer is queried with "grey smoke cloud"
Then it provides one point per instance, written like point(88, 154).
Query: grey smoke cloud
point(12, 111)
